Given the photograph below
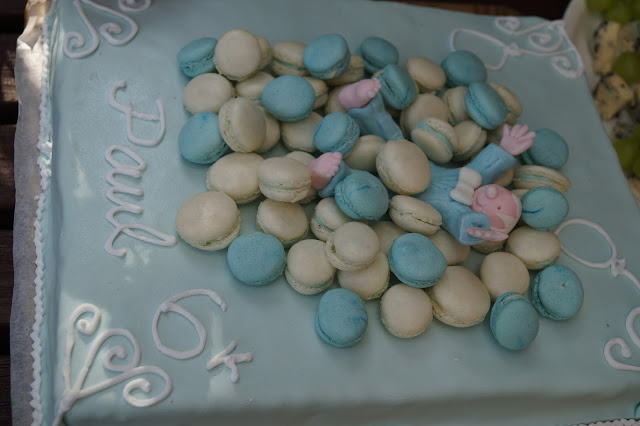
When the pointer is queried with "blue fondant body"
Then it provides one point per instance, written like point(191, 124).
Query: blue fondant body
point(463, 68)
point(327, 56)
point(337, 132)
point(416, 261)
point(557, 293)
point(196, 57)
point(374, 119)
point(341, 319)
point(377, 53)
point(343, 172)
point(361, 195)
point(288, 98)
point(256, 258)
point(485, 106)
point(549, 149)
point(544, 207)
point(200, 140)
point(514, 321)
point(491, 163)
point(398, 88)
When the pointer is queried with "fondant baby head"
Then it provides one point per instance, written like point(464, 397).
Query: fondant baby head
point(501, 206)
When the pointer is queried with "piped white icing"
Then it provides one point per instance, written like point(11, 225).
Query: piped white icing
point(547, 39)
point(617, 267)
point(77, 40)
point(134, 171)
point(170, 306)
point(130, 114)
point(74, 392)
point(225, 357)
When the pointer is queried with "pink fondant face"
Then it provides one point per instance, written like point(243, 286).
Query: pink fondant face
point(499, 204)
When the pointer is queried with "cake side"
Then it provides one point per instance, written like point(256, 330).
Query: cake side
point(382, 378)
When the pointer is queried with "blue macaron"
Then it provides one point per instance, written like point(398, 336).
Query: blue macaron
point(288, 98)
point(337, 132)
point(361, 195)
point(341, 174)
point(200, 140)
point(549, 149)
point(398, 88)
point(196, 57)
point(341, 320)
point(544, 207)
point(463, 68)
point(557, 293)
point(257, 258)
point(514, 321)
point(377, 53)
point(485, 106)
point(327, 57)
point(416, 261)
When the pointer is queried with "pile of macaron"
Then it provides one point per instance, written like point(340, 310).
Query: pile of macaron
point(372, 235)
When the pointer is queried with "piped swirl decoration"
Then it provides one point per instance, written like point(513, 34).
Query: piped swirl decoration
point(225, 357)
point(547, 39)
point(75, 44)
point(617, 267)
point(127, 370)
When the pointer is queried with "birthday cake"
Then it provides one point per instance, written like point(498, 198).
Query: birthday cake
point(135, 326)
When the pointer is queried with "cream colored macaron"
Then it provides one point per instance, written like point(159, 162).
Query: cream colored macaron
point(237, 55)
point(537, 249)
point(454, 252)
point(471, 140)
point(368, 283)
point(242, 125)
point(436, 138)
point(529, 177)
point(284, 179)
point(305, 158)
point(308, 268)
point(207, 93)
point(236, 175)
point(406, 311)
point(364, 153)
point(504, 272)
point(387, 233)
point(333, 103)
point(403, 167)
point(353, 73)
point(285, 221)
point(266, 52)
point(487, 246)
point(288, 58)
point(428, 75)
point(272, 132)
point(352, 247)
point(208, 220)
point(505, 179)
point(298, 135)
point(454, 99)
point(459, 299)
point(511, 100)
point(320, 90)
point(327, 218)
point(425, 106)
point(252, 87)
point(414, 215)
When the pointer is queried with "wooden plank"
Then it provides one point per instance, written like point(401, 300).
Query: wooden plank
point(478, 8)
point(7, 186)
point(5, 390)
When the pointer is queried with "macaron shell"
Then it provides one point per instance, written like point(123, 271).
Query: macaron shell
point(256, 258)
point(288, 98)
point(377, 53)
point(207, 92)
point(285, 221)
point(403, 167)
point(459, 298)
point(557, 293)
point(361, 195)
point(511, 100)
point(471, 140)
point(327, 218)
point(529, 177)
point(368, 283)
point(352, 247)
point(337, 132)
point(549, 149)
point(308, 268)
point(196, 57)
point(208, 220)
point(236, 175)
point(502, 272)
point(237, 55)
point(454, 252)
point(428, 75)
point(284, 179)
point(463, 68)
point(364, 153)
point(252, 87)
point(352, 73)
point(514, 322)
point(436, 138)
point(537, 249)
point(387, 233)
point(414, 215)
point(298, 135)
point(341, 319)
point(398, 88)
point(406, 311)
point(327, 56)
point(544, 207)
point(485, 106)
point(425, 105)
point(288, 58)
point(242, 125)
point(454, 99)
point(200, 140)
point(416, 261)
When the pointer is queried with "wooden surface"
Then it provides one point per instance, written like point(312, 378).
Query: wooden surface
point(11, 24)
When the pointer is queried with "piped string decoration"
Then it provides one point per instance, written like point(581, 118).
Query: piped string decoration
point(617, 266)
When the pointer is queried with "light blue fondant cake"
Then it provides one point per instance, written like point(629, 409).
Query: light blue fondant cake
point(138, 333)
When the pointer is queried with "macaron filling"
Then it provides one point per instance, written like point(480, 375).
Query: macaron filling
point(440, 136)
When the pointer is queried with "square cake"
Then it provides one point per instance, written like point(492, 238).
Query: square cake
point(141, 333)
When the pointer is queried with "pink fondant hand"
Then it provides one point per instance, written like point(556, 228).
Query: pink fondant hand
point(359, 94)
point(487, 234)
point(324, 168)
point(516, 140)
